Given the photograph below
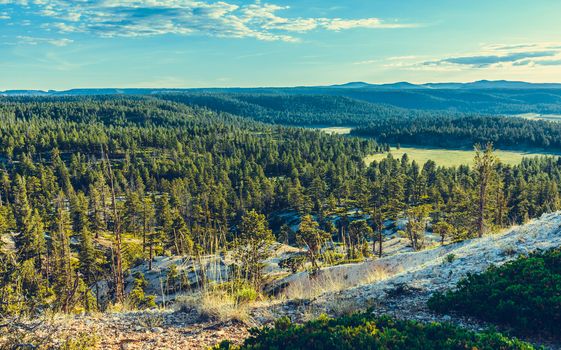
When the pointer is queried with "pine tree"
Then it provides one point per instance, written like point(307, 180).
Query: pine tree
point(154, 243)
point(62, 172)
point(4, 223)
point(442, 229)
point(133, 212)
point(99, 213)
point(165, 218)
point(253, 245)
point(417, 218)
point(359, 232)
point(5, 187)
point(117, 251)
point(65, 282)
point(485, 163)
point(22, 208)
point(148, 217)
point(313, 238)
point(87, 253)
point(183, 243)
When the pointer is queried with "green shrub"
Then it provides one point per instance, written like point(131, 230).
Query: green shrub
point(450, 258)
point(363, 331)
point(524, 294)
point(332, 257)
point(82, 341)
point(245, 294)
point(137, 297)
point(294, 263)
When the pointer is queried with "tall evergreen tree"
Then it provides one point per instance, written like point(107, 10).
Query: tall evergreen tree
point(253, 245)
point(485, 163)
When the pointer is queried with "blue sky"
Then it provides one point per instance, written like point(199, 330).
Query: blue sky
point(62, 44)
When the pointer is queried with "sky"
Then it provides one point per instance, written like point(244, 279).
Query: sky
point(64, 44)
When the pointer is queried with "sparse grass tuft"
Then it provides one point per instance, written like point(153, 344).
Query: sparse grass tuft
point(150, 320)
point(334, 280)
point(215, 305)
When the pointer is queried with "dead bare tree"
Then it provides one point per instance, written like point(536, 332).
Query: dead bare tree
point(118, 276)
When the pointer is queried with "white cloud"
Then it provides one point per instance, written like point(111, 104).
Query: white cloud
point(36, 41)
point(4, 15)
point(492, 56)
point(133, 18)
point(63, 27)
point(367, 62)
point(342, 24)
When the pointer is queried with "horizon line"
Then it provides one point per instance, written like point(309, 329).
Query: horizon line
point(380, 84)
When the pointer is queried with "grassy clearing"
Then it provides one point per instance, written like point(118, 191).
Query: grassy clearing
point(447, 157)
point(537, 116)
point(339, 130)
point(450, 157)
point(334, 130)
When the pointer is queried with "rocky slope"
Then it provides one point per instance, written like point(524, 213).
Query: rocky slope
point(398, 284)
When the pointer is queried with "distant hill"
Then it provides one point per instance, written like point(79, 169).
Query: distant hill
point(484, 96)
point(476, 85)
point(497, 84)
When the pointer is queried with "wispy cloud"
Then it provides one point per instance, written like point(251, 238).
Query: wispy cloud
point(35, 41)
point(4, 15)
point(482, 61)
point(493, 56)
point(134, 18)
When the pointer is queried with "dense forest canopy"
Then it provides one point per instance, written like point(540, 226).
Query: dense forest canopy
point(301, 110)
point(383, 122)
point(463, 131)
point(91, 186)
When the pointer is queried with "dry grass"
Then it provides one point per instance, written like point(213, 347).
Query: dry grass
point(150, 320)
point(334, 280)
point(345, 307)
point(215, 305)
point(117, 308)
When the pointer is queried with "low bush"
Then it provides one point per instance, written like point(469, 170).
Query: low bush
point(363, 331)
point(450, 258)
point(524, 294)
point(293, 263)
point(137, 298)
point(245, 294)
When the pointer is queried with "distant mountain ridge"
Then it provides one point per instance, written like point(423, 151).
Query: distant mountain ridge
point(476, 85)
point(359, 85)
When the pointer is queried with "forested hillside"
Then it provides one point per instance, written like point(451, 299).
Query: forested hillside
point(93, 186)
point(449, 131)
point(485, 101)
point(299, 110)
point(486, 97)
point(383, 122)
point(80, 173)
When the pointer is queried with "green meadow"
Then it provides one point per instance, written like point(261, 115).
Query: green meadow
point(448, 157)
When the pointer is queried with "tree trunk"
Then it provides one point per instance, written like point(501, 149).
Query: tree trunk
point(119, 277)
point(380, 242)
point(481, 209)
point(150, 257)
